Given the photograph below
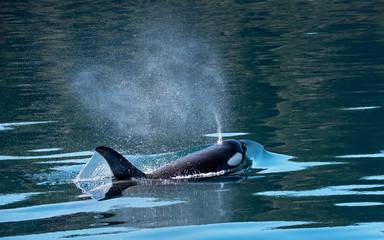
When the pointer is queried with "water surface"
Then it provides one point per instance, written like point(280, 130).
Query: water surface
point(304, 79)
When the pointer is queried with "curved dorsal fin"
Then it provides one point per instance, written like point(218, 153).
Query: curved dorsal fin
point(121, 168)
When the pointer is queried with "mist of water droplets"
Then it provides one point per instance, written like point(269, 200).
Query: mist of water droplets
point(170, 93)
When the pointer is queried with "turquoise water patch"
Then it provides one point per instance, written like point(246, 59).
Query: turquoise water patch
point(16, 197)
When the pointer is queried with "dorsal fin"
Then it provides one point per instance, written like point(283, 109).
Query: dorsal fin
point(121, 168)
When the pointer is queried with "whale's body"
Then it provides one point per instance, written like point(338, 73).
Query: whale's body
point(227, 158)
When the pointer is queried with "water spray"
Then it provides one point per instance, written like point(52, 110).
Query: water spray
point(164, 95)
point(220, 138)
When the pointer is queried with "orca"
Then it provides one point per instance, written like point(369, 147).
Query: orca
point(221, 159)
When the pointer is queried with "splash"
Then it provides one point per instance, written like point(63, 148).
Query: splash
point(95, 178)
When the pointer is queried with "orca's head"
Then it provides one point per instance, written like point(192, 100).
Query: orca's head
point(238, 160)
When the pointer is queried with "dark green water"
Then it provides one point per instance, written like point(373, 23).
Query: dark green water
point(302, 78)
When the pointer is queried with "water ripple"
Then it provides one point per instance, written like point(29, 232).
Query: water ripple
point(377, 177)
point(275, 162)
point(6, 199)
point(359, 204)
point(327, 191)
point(233, 230)
point(86, 206)
point(360, 108)
point(10, 126)
point(45, 150)
point(62, 155)
point(372, 155)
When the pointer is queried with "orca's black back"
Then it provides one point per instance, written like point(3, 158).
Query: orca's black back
point(209, 160)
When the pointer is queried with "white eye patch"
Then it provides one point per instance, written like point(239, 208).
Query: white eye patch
point(235, 160)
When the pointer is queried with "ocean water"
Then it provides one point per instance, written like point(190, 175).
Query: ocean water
point(301, 81)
